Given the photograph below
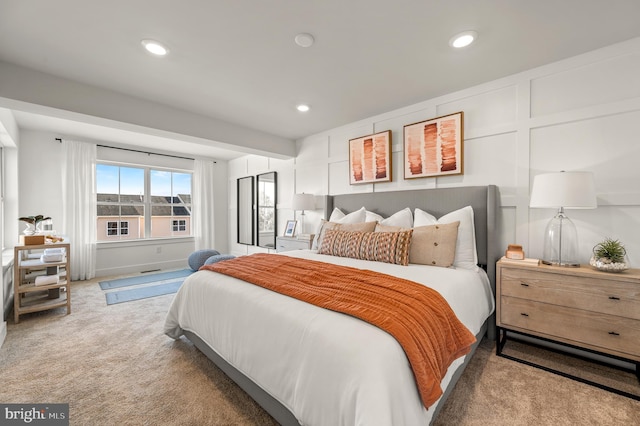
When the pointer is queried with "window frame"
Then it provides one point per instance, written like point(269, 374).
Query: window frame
point(147, 204)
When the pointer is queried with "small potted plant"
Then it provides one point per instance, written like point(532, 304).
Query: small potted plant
point(609, 256)
point(32, 223)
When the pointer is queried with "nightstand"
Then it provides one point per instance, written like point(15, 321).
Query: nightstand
point(577, 307)
point(292, 243)
point(28, 295)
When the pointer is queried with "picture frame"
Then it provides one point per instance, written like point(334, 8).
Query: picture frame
point(434, 147)
point(370, 158)
point(290, 228)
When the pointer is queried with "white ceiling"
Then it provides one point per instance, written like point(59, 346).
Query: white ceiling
point(236, 60)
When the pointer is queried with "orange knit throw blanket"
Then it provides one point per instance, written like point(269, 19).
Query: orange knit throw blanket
point(418, 317)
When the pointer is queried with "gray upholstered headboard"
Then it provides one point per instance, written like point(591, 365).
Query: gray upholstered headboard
point(483, 199)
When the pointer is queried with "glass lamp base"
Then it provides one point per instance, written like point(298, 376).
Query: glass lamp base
point(561, 242)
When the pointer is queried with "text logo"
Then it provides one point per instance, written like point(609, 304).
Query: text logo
point(34, 414)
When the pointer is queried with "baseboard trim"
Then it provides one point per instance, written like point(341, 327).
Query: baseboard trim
point(133, 269)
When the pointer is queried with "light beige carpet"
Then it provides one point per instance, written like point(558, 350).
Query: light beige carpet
point(113, 365)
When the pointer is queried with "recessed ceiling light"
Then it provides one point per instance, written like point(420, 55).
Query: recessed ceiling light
point(302, 108)
point(463, 39)
point(155, 47)
point(304, 40)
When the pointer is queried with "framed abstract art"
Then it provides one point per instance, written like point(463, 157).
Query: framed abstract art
point(370, 158)
point(434, 147)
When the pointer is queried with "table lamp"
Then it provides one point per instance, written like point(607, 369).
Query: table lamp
point(303, 202)
point(562, 190)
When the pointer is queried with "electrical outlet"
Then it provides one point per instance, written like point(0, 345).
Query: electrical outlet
point(158, 250)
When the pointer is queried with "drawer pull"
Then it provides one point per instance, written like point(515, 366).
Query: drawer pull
point(613, 333)
point(524, 315)
point(524, 284)
point(614, 298)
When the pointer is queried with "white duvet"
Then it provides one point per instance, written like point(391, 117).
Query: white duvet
point(327, 368)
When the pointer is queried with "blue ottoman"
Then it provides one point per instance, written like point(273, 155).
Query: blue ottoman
point(198, 257)
point(217, 258)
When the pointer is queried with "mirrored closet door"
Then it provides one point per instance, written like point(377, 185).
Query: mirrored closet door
point(267, 221)
point(245, 210)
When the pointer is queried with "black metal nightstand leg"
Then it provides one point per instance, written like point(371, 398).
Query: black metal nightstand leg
point(501, 340)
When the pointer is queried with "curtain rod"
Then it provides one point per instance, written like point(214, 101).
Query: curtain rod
point(142, 152)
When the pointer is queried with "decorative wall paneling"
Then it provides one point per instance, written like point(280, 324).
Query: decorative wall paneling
point(578, 114)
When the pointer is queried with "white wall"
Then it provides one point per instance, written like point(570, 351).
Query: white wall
point(577, 114)
point(40, 186)
point(40, 176)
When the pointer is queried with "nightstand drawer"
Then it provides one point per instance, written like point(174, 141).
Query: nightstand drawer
point(288, 244)
point(592, 294)
point(599, 331)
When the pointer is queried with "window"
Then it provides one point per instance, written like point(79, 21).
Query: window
point(141, 202)
point(179, 225)
point(117, 228)
point(170, 202)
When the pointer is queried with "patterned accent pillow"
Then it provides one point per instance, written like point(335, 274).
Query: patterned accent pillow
point(388, 247)
point(325, 226)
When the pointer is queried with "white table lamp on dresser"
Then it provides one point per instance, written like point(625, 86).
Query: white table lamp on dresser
point(562, 190)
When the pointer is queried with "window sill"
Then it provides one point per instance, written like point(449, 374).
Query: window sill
point(145, 242)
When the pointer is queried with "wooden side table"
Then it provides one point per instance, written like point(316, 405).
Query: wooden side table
point(29, 297)
point(578, 307)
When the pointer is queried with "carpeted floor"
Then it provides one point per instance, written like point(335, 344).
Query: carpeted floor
point(113, 365)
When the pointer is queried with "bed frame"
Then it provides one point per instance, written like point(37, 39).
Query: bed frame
point(438, 202)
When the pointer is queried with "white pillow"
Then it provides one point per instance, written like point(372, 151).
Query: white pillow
point(337, 216)
point(466, 255)
point(403, 219)
point(373, 217)
point(355, 217)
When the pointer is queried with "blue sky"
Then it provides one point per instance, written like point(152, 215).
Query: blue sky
point(131, 181)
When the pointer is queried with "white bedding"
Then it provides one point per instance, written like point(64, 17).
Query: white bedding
point(327, 368)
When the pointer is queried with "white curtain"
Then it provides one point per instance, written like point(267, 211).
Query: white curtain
point(79, 207)
point(202, 204)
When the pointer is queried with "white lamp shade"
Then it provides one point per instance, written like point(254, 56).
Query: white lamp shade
point(303, 202)
point(570, 190)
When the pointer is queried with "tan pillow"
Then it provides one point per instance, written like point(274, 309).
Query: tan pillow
point(388, 247)
point(434, 244)
point(355, 227)
point(388, 228)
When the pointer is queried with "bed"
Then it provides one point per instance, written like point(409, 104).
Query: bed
point(308, 365)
